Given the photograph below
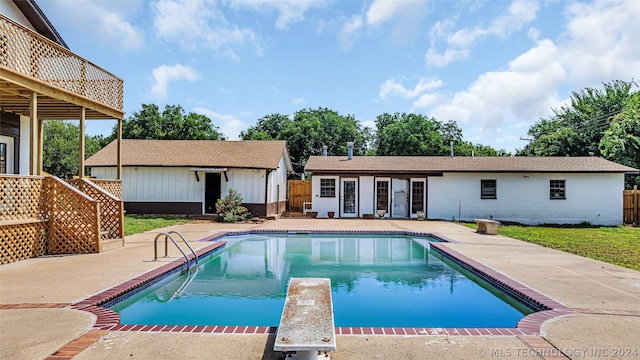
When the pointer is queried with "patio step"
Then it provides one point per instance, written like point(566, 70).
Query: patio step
point(111, 244)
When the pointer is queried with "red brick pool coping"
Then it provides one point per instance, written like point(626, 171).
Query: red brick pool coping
point(527, 330)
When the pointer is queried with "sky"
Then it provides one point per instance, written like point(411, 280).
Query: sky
point(494, 67)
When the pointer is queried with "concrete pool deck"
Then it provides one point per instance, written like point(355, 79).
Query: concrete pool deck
point(36, 322)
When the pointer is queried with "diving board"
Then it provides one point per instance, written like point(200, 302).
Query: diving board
point(306, 325)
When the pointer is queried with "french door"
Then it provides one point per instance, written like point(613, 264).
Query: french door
point(349, 197)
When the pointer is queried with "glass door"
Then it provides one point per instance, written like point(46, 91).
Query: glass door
point(349, 198)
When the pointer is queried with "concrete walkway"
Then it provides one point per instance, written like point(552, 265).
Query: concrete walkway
point(35, 322)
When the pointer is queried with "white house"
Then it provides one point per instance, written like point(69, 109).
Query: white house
point(527, 190)
point(189, 176)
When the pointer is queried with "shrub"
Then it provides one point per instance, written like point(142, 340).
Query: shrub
point(230, 209)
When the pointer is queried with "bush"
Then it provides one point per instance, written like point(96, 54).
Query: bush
point(230, 209)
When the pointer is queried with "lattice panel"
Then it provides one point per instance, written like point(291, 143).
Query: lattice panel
point(114, 187)
point(111, 208)
point(35, 56)
point(20, 197)
point(73, 219)
point(22, 241)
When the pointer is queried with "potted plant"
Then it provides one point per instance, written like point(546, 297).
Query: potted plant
point(381, 213)
point(313, 214)
point(331, 214)
point(420, 215)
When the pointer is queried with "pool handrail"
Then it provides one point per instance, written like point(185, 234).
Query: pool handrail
point(167, 235)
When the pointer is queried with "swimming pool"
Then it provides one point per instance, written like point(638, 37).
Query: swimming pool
point(377, 281)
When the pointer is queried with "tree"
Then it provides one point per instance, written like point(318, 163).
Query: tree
point(172, 124)
point(595, 123)
point(61, 148)
point(309, 130)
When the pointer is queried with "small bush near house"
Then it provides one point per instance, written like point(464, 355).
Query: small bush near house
point(230, 209)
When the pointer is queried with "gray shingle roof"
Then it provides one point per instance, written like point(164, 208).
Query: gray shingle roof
point(438, 164)
point(196, 153)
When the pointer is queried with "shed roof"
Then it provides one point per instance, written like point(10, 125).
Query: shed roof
point(195, 153)
point(440, 164)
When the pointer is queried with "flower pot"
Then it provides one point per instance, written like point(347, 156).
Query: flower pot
point(313, 214)
point(381, 213)
point(420, 215)
point(331, 214)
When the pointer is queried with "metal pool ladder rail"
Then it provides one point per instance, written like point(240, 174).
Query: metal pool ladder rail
point(167, 235)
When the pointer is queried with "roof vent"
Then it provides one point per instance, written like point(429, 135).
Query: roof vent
point(350, 150)
point(451, 145)
point(324, 150)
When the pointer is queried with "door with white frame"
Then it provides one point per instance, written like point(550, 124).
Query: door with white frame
point(400, 198)
point(349, 197)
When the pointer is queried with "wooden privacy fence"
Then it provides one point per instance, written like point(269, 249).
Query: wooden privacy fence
point(299, 192)
point(631, 207)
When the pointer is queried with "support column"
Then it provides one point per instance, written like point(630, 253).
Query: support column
point(33, 134)
point(81, 148)
point(119, 161)
point(40, 145)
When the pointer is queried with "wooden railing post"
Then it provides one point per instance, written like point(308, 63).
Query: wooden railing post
point(636, 206)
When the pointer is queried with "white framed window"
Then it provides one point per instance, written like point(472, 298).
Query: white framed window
point(327, 187)
point(488, 189)
point(557, 190)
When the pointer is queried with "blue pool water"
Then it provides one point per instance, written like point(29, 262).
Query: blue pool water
point(377, 281)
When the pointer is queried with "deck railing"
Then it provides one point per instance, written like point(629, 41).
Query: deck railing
point(28, 53)
point(111, 207)
point(45, 215)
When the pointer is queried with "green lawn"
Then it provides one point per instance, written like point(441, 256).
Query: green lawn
point(618, 245)
point(138, 224)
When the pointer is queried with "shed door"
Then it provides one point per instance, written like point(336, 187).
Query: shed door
point(211, 192)
point(400, 198)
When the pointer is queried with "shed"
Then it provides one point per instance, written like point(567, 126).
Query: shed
point(189, 176)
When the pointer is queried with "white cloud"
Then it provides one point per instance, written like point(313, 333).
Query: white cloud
point(601, 42)
point(165, 74)
point(520, 13)
point(299, 101)
point(289, 11)
point(105, 20)
point(230, 125)
point(382, 11)
point(392, 87)
point(196, 24)
point(524, 92)
point(349, 30)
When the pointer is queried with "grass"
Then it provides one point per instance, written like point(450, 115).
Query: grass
point(138, 224)
point(618, 245)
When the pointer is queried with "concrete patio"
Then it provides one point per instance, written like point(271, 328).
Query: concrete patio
point(35, 322)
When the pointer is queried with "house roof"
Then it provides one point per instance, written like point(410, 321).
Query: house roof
point(39, 21)
point(194, 153)
point(440, 164)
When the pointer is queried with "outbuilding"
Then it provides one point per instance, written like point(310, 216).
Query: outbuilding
point(189, 176)
point(527, 190)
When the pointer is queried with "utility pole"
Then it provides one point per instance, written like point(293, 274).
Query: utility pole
point(528, 146)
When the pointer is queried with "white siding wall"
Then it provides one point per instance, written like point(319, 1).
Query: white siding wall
point(247, 182)
point(24, 145)
point(324, 204)
point(8, 141)
point(367, 195)
point(156, 183)
point(278, 177)
point(593, 198)
point(10, 10)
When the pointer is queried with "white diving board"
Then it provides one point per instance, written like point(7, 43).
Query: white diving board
point(306, 325)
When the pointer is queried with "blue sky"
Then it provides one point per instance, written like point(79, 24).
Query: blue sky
point(495, 67)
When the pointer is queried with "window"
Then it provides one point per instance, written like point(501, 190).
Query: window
point(382, 195)
point(3, 158)
point(417, 196)
point(488, 189)
point(327, 187)
point(556, 190)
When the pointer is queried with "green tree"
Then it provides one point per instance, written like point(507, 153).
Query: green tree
point(595, 123)
point(309, 130)
point(412, 135)
point(61, 148)
point(172, 124)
